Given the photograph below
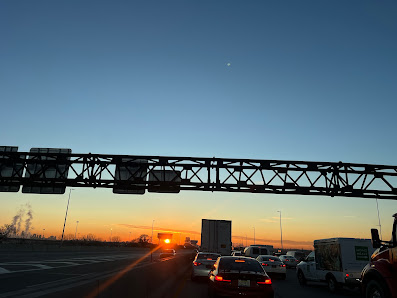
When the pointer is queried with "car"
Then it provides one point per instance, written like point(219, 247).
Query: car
point(273, 265)
point(289, 261)
point(237, 253)
point(239, 276)
point(254, 251)
point(202, 264)
point(166, 253)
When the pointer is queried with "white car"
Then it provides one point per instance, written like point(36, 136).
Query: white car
point(166, 253)
point(289, 261)
point(202, 264)
point(237, 253)
point(273, 266)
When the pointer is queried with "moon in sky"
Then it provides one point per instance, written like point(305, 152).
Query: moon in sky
point(228, 64)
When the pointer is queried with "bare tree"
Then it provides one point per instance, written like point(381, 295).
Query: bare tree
point(143, 238)
point(5, 231)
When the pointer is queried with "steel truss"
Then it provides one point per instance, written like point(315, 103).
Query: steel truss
point(135, 174)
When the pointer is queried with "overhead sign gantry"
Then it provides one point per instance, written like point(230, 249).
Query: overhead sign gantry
point(51, 170)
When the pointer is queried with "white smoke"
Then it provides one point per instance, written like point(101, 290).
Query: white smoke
point(24, 211)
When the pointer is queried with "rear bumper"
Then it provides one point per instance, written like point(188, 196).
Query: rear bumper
point(267, 292)
point(200, 272)
point(352, 282)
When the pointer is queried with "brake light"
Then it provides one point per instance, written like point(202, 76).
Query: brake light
point(283, 265)
point(266, 282)
point(239, 261)
point(196, 263)
point(264, 264)
point(347, 274)
point(220, 278)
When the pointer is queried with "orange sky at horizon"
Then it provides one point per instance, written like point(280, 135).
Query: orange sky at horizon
point(99, 212)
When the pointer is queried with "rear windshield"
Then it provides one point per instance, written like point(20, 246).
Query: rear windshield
point(208, 256)
point(264, 251)
point(269, 259)
point(230, 264)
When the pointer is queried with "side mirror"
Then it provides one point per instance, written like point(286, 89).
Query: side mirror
point(375, 238)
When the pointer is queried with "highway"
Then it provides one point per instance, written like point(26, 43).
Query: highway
point(132, 273)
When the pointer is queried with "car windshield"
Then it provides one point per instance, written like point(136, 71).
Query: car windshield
point(232, 264)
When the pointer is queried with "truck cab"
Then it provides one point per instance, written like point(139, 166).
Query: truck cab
point(379, 277)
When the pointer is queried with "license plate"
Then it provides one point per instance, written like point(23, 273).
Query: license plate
point(243, 283)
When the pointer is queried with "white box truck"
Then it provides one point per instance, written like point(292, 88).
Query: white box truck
point(336, 261)
point(216, 236)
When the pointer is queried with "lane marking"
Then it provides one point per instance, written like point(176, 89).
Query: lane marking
point(31, 293)
point(3, 270)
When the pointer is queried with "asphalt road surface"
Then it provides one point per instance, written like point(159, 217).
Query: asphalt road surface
point(120, 274)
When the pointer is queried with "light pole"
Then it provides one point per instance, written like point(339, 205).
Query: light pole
point(75, 233)
point(380, 226)
point(43, 233)
point(151, 251)
point(130, 236)
point(254, 234)
point(152, 230)
point(66, 215)
point(111, 230)
point(281, 231)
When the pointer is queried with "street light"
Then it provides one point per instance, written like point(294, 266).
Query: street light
point(254, 235)
point(66, 215)
point(75, 233)
point(152, 230)
point(111, 230)
point(281, 231)
point(43, 233)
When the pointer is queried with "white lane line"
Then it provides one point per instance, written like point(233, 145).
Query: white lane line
point(3, 270)
point(40, 265)
point(32, 293)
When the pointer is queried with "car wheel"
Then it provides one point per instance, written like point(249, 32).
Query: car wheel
point(375, 290)
point(332, 284)
point(301, 278)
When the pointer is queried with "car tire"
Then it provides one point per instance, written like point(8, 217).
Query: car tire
point(301, 278)
point(332, 284)
point(376, 290)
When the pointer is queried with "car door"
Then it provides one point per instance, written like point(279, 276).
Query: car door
point(310, 267)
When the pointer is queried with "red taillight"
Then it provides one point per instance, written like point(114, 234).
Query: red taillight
point(220, 278)
point(264, 264)
point(347, 274)
point(266, 282)
point(283, 265)
point(196, 263)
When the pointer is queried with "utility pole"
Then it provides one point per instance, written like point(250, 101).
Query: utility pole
point(281, 231)
point(66, 215)
point(75, 233)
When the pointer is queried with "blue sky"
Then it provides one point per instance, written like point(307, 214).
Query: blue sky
point(308, 80)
